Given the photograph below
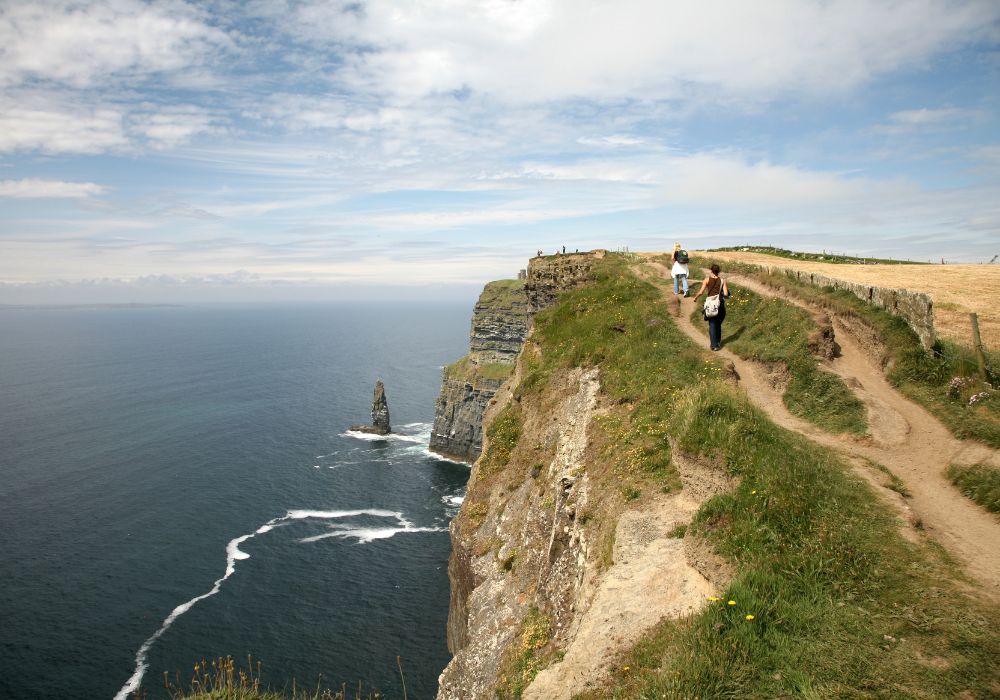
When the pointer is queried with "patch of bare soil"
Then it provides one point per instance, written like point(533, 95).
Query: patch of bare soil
point(654, 575)
point(905, 438)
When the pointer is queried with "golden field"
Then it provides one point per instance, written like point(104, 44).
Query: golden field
point(955, 289)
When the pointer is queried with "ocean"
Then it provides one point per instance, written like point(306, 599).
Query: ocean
point(177, 484)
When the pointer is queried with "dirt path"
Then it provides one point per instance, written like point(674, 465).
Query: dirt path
point(905, 438)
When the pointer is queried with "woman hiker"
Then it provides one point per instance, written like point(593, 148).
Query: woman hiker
point(679, 270)
point(710, 286)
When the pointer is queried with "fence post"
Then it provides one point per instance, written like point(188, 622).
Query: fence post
point(977, 344)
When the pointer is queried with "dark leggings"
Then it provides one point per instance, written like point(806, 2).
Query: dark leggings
point(715, 328)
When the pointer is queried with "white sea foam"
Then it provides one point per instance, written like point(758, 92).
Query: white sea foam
point(434, 455)
point(422, 438)
point(235, 554)
point(453, 500)
point(364, 535)
point(371, 437)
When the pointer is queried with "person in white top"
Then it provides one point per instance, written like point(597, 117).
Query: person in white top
point(679, 271)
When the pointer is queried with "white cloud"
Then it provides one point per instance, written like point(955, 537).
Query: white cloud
point(923, 119)
point(35, 188)
point(730, 181)
point(59, 128)
point(168, 127)
point(542, 50)
point(80, 44)
point(612, 141)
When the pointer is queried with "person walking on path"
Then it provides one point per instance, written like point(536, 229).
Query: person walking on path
point(711, 286)
point(679, 270)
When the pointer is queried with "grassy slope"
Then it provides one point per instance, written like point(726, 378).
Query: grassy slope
point(466, 370)
point(769, 330)
point(921, 376)
point(503, 293)
point(979, 482)
point(842, 606)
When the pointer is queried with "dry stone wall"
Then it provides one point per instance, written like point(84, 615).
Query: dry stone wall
point(916, 308)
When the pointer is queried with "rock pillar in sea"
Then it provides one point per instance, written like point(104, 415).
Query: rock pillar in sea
point(380, 414)
point(380, 410)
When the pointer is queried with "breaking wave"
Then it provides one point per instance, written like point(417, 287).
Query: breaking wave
point(363, 535)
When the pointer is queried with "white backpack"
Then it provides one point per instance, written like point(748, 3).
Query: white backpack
point(713, 303)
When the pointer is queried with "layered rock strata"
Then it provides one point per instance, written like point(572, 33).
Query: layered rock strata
point(499, 327)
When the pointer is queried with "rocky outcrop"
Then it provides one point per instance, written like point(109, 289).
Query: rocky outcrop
point(499, 326)
point(529, 570)
point(380, 414)
point(519, 541)
point(548, 276)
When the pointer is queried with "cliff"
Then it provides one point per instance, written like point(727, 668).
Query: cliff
point(635, 527)
point(545, 561)
point(499, 326)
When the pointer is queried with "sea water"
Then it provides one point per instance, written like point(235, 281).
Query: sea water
point(178, 484)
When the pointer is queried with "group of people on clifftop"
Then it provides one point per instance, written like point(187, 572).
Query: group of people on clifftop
point(714, 288)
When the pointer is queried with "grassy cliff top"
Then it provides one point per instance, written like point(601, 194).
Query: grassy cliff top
point(503, 293)
point(828, 599)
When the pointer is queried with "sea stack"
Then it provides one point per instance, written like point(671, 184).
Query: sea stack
point(380, 414)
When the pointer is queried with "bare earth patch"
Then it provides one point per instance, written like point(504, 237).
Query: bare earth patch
point(653, 576)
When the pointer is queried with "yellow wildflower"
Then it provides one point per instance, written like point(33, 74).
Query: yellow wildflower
point(749, 617)
point(732, 602)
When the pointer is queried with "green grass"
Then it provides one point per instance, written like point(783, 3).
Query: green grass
point(467, 370)
point(530, 653)
point(646, 363)
point(503, 293)
point(224, 679)
point(923, 377)
point(979, 482)
point(768, 329)
point(503, 434)
point(842, 607)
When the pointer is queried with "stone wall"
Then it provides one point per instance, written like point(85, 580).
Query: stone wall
point(916, 308)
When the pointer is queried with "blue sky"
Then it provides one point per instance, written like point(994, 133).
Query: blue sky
point(224, 151)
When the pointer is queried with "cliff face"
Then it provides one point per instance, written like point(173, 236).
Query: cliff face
point(556, 567)
point(499, 326)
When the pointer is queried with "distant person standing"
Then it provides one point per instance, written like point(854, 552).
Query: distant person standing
point(679, 270)
point(713, 286)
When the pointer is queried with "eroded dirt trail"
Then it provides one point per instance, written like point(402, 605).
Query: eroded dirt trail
point(905, 438)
